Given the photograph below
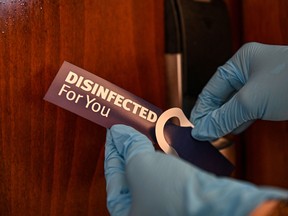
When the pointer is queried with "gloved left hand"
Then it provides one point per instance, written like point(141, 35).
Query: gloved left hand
point(141, 181)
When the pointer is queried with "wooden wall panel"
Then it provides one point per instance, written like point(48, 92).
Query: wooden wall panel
point(266, 143)
point(265, 21)
point(234, 8)
point(51, 161)
point(266, 153)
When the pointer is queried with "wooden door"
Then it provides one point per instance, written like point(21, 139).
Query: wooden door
point(51, 161)
point(265, 154)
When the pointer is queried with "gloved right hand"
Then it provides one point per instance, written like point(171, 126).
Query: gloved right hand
point(251, 85)
point(141, 181)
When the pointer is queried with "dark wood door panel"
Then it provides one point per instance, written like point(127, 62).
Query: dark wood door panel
point(51, 161)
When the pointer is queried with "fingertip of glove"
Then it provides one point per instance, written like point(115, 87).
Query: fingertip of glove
point(129, 141)
point(121, 128)
point(198, 136)
point(121, 132)
point(194, 134)
point(124, 132)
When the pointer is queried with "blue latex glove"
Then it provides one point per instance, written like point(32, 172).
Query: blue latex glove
point(141, 181)
point(251, 85)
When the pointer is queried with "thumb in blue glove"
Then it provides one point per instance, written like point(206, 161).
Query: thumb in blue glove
point(118, 151)
point(141, 181)
point(251, 85)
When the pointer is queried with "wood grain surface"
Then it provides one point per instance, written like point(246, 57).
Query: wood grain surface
point(265, 154)
point(51, 161)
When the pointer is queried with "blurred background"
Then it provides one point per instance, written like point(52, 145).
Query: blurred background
point(51, 161)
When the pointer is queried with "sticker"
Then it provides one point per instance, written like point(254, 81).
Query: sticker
point(106, 104)
point(100, 101)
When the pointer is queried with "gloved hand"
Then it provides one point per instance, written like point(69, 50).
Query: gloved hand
point(141, 181)
point(251, 85)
